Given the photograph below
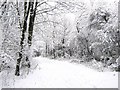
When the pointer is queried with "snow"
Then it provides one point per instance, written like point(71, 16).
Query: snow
point(1, 38)
point(62, 74)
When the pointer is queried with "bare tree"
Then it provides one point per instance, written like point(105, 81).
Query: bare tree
point(31, 11)
point(24, 29)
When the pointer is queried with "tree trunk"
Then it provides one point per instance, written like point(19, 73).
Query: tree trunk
point(31, 22)
point(24, 28)
point(31, 26)
point(17, 71)
point(46, 51)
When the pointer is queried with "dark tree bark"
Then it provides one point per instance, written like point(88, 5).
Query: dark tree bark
point(46, 47)
point(24, 29)
point(31, 22)
point(63, 46)
point(29, 8)
point(33, 7)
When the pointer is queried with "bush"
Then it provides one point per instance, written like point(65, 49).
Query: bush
point(6, 62)
point(79, 46)
point(97, 50)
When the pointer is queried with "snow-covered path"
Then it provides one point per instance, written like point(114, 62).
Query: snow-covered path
point(62, 74)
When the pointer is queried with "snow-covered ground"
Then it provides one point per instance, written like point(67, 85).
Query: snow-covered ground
point(62, 74)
